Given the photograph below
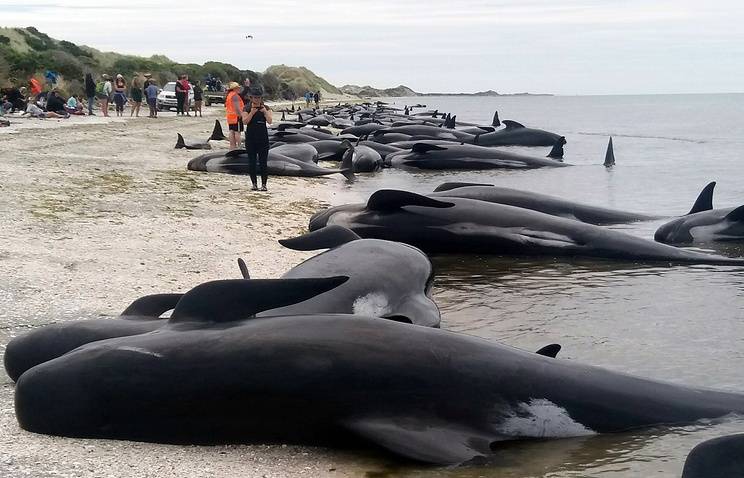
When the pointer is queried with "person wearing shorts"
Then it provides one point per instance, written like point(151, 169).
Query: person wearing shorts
point(234, 106)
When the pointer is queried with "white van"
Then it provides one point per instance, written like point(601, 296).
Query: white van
point(167, 97)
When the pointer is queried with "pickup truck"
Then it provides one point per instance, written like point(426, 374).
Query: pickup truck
point(211, 96)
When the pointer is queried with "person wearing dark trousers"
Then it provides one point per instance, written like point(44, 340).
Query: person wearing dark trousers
point(90, 92)
point(256, 115)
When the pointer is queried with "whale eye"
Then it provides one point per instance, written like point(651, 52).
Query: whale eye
point(399, 318)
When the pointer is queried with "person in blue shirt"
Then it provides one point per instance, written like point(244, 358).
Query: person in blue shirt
point(151, 93)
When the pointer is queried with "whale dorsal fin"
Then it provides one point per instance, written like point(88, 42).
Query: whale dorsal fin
point(217, 134)
point(236, 299)
point(152, 305)
point(243, 269)
point(421, 148)
point(609, 155)
point(325, 238)
point(496, 121)
point(736, 215)
point(549, 350)
point(180, 143)
point(391, 199)
point(512, 124)
point(557, 151)
point(455, 185)
point(704, 201)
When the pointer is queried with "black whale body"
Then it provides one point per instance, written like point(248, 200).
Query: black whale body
point(215, 374)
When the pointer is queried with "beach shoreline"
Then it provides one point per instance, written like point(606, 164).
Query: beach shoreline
point(99, 213)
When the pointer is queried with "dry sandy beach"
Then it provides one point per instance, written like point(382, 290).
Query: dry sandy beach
point(96, 213)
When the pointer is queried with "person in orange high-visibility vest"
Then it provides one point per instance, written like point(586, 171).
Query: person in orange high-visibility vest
point(234, 106)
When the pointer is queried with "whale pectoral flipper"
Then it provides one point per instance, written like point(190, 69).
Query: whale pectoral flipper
point(236, 299)
point(243, 269)
point(325, 238)
point(512, 124)
point(549, 350)
point(390, 200)
point(454, 185)
point(235, 153)
point(423, 440)
point(153, 305)
point(704, 201)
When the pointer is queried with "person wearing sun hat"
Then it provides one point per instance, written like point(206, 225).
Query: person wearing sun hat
point(256, 115)
point(233, 107)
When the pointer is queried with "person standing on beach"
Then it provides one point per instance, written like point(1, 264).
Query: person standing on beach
point(256, 115)
point(234, 106)
point(308, 98)
point(103, 92)
point(317, 99)
point(198, 98)
point(120, 94)
point(151, 92)
point(136, 98)
point(180, 92)
point(90, 92)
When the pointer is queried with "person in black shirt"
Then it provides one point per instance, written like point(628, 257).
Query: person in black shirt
point(198, 98)
point(256, 115)
point(55, 103)
point(90, 92)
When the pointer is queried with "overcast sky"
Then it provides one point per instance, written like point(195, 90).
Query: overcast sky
point(551, 46)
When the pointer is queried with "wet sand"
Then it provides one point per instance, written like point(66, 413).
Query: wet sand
point(96, 213)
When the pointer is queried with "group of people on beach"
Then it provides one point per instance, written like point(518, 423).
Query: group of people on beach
point(310, 97)
point(36, 101)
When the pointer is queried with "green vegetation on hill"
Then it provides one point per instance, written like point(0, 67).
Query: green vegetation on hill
point(368, 91)
point(26, 52)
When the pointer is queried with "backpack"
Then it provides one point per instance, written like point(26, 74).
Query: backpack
point(100, 86)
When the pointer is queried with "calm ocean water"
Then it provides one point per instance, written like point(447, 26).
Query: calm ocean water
point(683, 324)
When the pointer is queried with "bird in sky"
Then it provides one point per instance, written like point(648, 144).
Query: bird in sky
point(249, 36)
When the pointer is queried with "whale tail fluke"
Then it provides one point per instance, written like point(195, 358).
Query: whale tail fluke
point(217, 134)
point(557, 151)
point(347, 163)
point(243, 269)
point(704, 201)
point(180, 143)
point(496, 121)
point(609, 155)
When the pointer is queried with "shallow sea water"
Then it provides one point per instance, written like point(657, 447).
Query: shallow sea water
point(683, 324)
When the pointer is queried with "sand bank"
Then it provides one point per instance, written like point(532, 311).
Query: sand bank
point(96, 213)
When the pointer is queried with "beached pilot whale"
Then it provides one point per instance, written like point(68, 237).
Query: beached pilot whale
point(721, 457)
point(217, 373)
point(703, 223)
point(372, 290)
point(552, 205)
point(51, 341)
point(469, 226)
point(363, 158)
point(236, 162)
point(465, 156)
point(516, 134)
point(183, 144)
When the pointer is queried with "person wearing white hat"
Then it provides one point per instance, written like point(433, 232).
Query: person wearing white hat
point(120, 94)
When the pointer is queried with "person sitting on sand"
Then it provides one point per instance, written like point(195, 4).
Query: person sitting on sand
point(234, 106)
point(55, 103)
point(74, 106)
point(36, 112)
point(151, 93)
point(256, 115)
